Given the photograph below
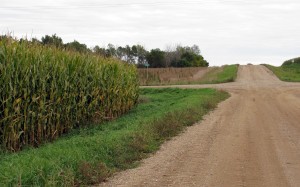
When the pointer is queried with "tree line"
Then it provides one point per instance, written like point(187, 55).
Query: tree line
point(177, 56)
point(291, 61)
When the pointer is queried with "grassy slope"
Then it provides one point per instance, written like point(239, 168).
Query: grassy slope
point(88, 156)
point(290, 73)
point(228, 74)
point(216, 75)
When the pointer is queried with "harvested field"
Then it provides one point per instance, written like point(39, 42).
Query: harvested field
point(164, 76)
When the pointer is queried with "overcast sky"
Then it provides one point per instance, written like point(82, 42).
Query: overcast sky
point(227, 31)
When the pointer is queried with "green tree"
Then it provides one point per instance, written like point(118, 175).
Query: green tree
point(129, 55)
point(35, 40)
point(111, 50)
point(185, 56)
point(156, 58)
point(52, 40)
point(99, 51)
point(76, 46)
point(291, 61)
point(120, 53)
point(141, 54)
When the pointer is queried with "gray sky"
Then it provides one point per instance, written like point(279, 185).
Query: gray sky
point(227, 31)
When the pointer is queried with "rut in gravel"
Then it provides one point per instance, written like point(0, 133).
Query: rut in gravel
point(251, 139)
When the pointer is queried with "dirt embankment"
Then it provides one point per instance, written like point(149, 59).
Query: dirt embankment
point(251, 139)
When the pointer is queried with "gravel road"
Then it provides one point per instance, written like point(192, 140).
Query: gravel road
point(251, 139)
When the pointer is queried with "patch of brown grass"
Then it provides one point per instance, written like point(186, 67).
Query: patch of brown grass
point(90, 174)
point(161, 76)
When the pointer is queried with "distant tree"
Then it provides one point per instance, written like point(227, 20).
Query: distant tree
point(291, 61)
point(99, 51)
point(195, 49)
point(187, 57)
point(141, 54)
point(23, 40)
point(110, 50)
point(177, 54)
point(156, 58)
point(169, 55)
point(120, 53)
point(190, 59)
point(7, 36)
point(52, 40)
point(35, 40)
point(173, 56)
point(129, 55)
point(76, 46)
point(134, 50)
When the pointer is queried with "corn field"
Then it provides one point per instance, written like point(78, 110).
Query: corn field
point(46, 91)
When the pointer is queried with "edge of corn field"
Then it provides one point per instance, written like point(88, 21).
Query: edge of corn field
point(89, 155)
point(47, 91)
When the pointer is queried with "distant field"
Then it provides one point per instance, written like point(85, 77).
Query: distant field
point(163, 76)
point(196, 75)
point(290, 73)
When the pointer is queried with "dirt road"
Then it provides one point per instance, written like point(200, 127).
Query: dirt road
point(251, 139)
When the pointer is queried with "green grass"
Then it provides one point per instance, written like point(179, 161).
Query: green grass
point(89, 155)
point(227, 74)
point(290, 73)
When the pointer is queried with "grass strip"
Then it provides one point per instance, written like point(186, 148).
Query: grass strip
point(289, 73)
point(89, 155)
point(228, 73)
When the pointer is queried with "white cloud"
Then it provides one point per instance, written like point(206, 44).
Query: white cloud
point(227, 31)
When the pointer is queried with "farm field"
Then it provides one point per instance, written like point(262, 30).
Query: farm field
point(194, 75)
point(47, 91)
point(289, 73)
point(251, 139)
point(130, 93)
point(92, 153)
point(75, 119)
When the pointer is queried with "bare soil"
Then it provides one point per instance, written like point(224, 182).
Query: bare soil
point(251, 139)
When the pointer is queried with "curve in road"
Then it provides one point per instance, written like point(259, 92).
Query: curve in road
point(251, 139)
